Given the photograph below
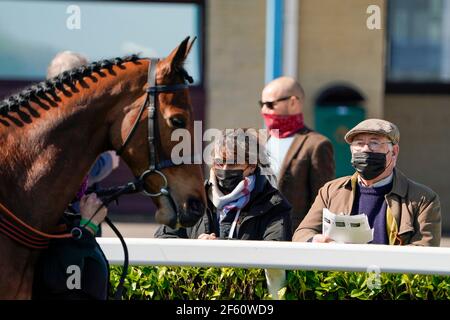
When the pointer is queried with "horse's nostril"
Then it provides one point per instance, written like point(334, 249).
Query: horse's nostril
point(195, 205)
point(195, 210)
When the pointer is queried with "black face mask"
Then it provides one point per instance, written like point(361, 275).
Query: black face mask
point(369, 164)
point(228, 179)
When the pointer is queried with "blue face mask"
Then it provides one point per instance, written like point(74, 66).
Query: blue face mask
point(228, 179)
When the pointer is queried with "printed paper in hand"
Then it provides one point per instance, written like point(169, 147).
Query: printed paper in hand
point(345, 228)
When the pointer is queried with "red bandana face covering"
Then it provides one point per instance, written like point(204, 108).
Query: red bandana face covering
point(282, 126)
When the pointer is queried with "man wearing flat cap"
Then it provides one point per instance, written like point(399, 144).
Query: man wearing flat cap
point(401, 211)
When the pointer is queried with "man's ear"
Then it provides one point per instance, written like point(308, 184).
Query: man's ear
point(395, 150)
point(293, 106)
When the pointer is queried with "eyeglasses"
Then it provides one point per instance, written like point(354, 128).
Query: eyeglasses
point(373, 145)
point(271, 104)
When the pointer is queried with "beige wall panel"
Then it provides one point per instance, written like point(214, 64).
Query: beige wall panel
point(336, 45)
point(425, 141)
point(235, 70)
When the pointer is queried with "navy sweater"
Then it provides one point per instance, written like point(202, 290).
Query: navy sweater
point(371, 202)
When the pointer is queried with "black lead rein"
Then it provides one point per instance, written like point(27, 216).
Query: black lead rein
point(107, 196)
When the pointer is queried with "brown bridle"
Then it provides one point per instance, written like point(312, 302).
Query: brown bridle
point(150, 103)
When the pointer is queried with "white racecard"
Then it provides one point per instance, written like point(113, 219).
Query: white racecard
point(346, 228)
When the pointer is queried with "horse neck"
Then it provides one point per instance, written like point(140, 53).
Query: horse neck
point(44, 163)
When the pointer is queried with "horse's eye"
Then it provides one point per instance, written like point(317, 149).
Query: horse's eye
point(178, 122)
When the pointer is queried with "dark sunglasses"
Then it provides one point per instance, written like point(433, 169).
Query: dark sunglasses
point(271, 104)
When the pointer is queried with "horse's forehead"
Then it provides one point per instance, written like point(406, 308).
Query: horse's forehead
point(176, 103)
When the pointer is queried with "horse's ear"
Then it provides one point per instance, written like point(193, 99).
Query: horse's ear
point(178, 55)
point(189, 47)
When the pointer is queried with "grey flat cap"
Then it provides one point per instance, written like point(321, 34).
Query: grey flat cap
point(375, 126)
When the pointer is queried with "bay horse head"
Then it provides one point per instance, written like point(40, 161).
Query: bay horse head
point(139, 137)
point(52, 132)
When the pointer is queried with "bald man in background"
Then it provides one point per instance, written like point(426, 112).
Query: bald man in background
point(302, 159)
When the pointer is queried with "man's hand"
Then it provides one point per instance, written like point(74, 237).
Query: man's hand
point(205, 236)
point(321, 238)
point(89, 204)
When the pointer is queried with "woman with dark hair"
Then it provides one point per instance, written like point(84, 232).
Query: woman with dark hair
point(242, 200)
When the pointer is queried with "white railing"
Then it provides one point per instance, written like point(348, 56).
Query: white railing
point(279, 255)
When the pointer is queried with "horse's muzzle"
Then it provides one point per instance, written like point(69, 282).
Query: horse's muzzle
point(195, 209)
point(175, 217)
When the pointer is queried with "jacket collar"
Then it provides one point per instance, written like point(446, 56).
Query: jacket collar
point(253, 207)
point(299, 139)
point(399, 186)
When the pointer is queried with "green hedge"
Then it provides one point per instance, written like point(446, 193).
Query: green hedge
point(164, 283)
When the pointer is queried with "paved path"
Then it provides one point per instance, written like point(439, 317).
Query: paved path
point(131, 229)
point(146, 230)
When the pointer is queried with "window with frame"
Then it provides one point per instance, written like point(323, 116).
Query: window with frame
point(33, 32)
point(418, 42)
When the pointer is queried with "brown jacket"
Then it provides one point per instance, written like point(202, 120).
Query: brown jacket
point(308, 164)
point(413, 212)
